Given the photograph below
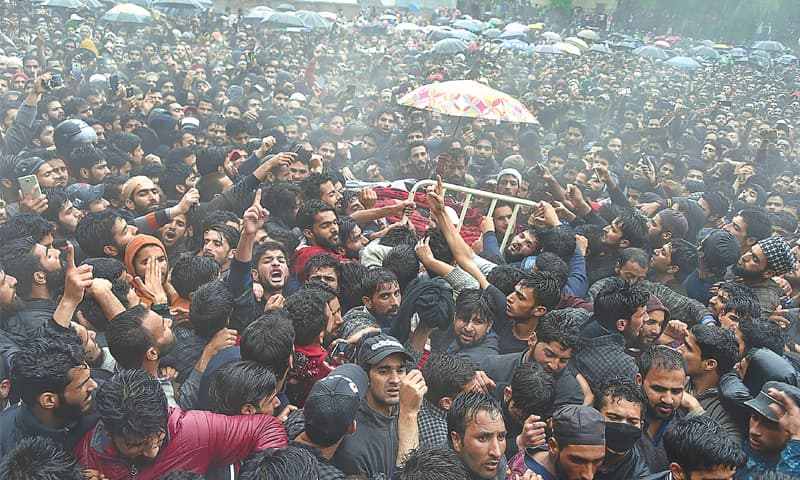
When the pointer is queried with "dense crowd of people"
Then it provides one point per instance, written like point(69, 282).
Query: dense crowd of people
point(213, 262)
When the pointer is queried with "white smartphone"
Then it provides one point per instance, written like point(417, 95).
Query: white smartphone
point(28, 184)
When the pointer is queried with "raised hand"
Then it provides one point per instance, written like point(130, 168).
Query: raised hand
point(77, 279)
point(255, 216)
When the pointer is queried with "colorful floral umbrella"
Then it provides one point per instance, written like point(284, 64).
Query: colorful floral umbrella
point(467, 98)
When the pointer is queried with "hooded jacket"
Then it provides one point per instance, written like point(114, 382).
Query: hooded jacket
point(138, 243)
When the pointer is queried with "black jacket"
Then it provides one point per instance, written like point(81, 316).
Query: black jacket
point(18, 423)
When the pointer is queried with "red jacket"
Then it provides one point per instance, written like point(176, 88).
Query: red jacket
point(303, 254)
point(196, 440)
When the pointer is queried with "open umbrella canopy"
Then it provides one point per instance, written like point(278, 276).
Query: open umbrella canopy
point(536, 26)
point(450, 45)
point(600, 48)
point(510, 35)
point(388, 18)
point(285, 7)
point(769, 46)
point(547, 49)
point(182, 4)
point(467, 98)
point(552, 36)
point(673, 38)
point(568, 48)
point(461, 34)
point(683, 62)
point(515, 27)
point(588, 34)
point(62, 4)
point(662, 44)
point(127, 13)
point(313, 20)
point(256, 14)
point(282, 19)
point(754, 60)
point(492, 32)
point(518, 45)
point(786, 59)
point(738, 52)
point(577, 42)
point(650, 51)
point(474, 26)
point(407, 27)
point(707, 43)
point(495, 22)
point(705, 52)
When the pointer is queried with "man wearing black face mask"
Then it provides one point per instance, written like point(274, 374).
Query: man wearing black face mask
point(622, 402)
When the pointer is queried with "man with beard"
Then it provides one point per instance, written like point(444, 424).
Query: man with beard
point(138, 432)
point(174, 235)
point(455, 168)
point(768, 258)
point(623, 403)
point(662, 374)
point(749, 226)
point(138, 338)
point(62, 215)
point(36, 274)
point(352, 238)
point(320, 226)
point(317, 318)
point(575, 450)
point(416, 164)
point(89, 165)
point(476, 432)
point(270, 271)
point(483, 163)
point(672, 263)
point(140, 195)
point(381, 303)
point(322, 186)
point(666, 225)
point(51, 376)
point(551, 347)
point(474, 318)
point(219, 243)
point(50, 109)
point(620, 311)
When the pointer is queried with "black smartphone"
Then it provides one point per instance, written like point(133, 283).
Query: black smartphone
point(56, 80)
point(348, 351)
point(113, 83)
point(725, 103)
point(128, 92)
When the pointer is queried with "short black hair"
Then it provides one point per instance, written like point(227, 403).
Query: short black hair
point(661, 357)
point(474, 301)
point(323, 260)
point(26, 225)
point(550, 262)
point(240, 383)
point(635, 255)
point(293, 462)
point(43, 364)
point(306, 308)
point(95, 231)
point(433, 463)
point(182, 475)
point(620, 388)
point(533, 390)
point(211, 308)
point(104, 267)
point(466, 407)
point(269, 340)
point(619, 299)
point(562, 326)
point(505, 278)
point(757, 223)
point(310, 186)
point(192, 271)
point(40, 458)
point(559, 240)
point(402, 261)
point(307, 212)
point(438, 244)
point(132, 405)
point(699, 443)
point(377, 276)
point(446, 375)
point(405, 235)
point(717, 343)
point(758, 333)
point(684, 256)
point(547, 288)
point(127, 338)
point(634, 227)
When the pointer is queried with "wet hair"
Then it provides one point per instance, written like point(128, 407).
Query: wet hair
point(743, 305)
point(190, 272)
point(307, 212)
point(107, 268)
point(240, 383)
point(562, 326)
point(446, 375)
point(400, 236)
point(306, 308)
point(438, 244)
point(619, 299)
point(466, 407)
point(25, 225)
point(550, 262)
point(758, 333)
point(505, 278)
point(351, 284)
point(402, 261)
point(127, 338)
point(20, 261)
point(635, 255)
point(559, 240)
point(182, 475)
point(40, 458)
point(699, 443)
point(473, 301)
point(547, 288)
point(43, 364)
point(619, 388)
point(132, 406)
point(324, 260)
point(533, 390)
point(211, 308)
point(377, 276)
point(310, 186)
point(758, 224)
point(634, 227)
point(662, 358)
point(280, 199)
point(95, 231)
point(685, 256)
point(269, 340)
point(718, 344)
point(293, 462)
point(437, 463)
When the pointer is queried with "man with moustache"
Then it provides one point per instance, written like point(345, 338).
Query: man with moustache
point(767, 258)
point(270, 271)
point(478, 435)
point(320, 226)
point(381, 303)
point(140, 195)
point(52, 377)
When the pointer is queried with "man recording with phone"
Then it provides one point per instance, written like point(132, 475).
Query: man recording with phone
point(20, 134)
